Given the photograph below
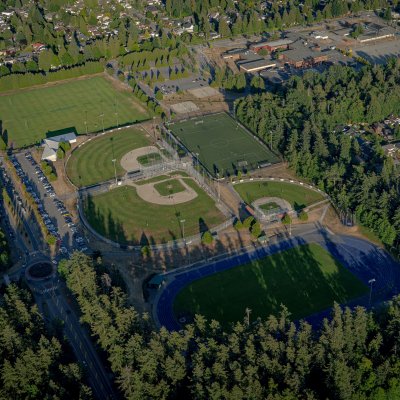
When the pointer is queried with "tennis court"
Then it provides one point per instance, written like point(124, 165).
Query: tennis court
point(222, 145)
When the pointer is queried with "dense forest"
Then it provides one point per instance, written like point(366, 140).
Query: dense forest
point(251, 17)
point(352, 357)
point(4, 251)
point(303, 120)
point(34, 364)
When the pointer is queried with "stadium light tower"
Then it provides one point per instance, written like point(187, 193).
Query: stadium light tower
point(115, 170)
point(248, 312)
point(182, 221)
point(371, 282)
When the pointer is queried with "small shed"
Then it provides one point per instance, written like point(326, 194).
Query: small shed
point(156, 282)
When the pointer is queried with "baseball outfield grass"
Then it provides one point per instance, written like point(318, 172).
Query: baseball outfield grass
point(298, 196)
point(81, 105)
point(92, 162)
point(306, 279)
point(122, 216)
point(223, 146)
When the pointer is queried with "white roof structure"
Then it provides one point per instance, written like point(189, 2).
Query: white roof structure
point(50, 146)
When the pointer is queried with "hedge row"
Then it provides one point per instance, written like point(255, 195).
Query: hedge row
point(18, 81)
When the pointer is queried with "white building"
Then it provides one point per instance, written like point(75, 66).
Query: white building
point(50, 145)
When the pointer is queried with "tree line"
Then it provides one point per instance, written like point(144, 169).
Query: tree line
point(353, 355)
point(19, 81)
point(254, 17)
point(34, 364)
point(304, 119)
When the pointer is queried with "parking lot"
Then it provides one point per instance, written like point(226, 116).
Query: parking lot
point(53, 211)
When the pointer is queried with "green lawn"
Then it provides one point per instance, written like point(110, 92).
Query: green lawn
point(298, 196)
point(171, 186)
point(269, 206)
point(121, 215)
point(28, 115)
point(223, 146)
point(92, 162)
point(306, 279)
point(149, 159)
point(157, 178)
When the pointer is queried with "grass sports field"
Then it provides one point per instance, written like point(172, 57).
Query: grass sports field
point(28, 115)
point(223, 145)
point(306, 279)
point(298, 196)
point(92, 162)
point(121, 215)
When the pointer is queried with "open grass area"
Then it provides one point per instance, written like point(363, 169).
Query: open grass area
point(306, 279)
point(171, 186)
point(92, 162)
point(121, 215)
point(269, 206)
point(298, 196)
point(222, 145)
point(30, 115)
point(149, 159)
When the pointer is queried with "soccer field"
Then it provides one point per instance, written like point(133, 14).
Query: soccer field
point(306, 279)
point(222, 145)
point(122, 216)
point(92, 162)
point(28, 115)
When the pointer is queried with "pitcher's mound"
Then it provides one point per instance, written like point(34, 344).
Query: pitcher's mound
point(129, 162)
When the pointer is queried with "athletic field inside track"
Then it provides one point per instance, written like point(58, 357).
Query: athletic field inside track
point(222, 145)
point(30, 115)
point(306, 279)
point(122, 216)
point(92, 162)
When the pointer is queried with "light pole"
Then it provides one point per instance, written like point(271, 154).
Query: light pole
point(248, 312)
point(102, 120)
point(371, 282)
point(115, 170)
point(182, 221)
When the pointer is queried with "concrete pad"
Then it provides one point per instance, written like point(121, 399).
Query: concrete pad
point(184, 108)
point(204, 92)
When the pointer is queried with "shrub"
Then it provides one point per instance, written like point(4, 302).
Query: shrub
point(248, 222)
point(256, 229)
point(286, 220)
point(303, 216)
point(238, 224)
point(145, 250)
point(207, 238)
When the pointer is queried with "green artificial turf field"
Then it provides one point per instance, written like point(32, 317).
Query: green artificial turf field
point(92, 162)
point(223, 146)
point(306, 279)
point(28, 115)
point(298, 196)
point(171, 186)
point(121, 215)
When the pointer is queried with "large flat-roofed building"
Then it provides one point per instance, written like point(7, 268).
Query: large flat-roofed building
point(303, 56)
point(271, 46)
point(234, 54)
point(256, 65)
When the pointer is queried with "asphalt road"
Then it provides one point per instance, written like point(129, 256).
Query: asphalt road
point(52, 293)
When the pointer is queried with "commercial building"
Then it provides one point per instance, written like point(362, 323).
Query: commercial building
point(256, 65)
point(282, 44)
